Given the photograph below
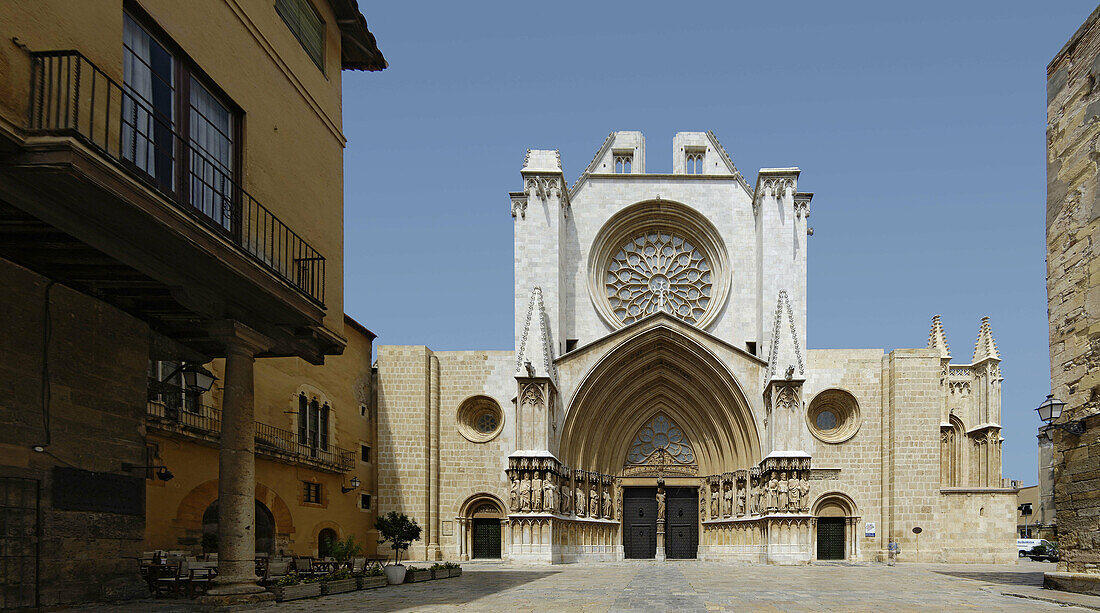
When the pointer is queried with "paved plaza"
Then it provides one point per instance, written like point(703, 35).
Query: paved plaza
point(694, 586)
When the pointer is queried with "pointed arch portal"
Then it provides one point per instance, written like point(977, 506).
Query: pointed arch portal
point(660, 372)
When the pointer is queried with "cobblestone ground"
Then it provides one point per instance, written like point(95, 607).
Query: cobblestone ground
point(687, 587)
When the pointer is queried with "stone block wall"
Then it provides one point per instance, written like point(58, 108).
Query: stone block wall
point(1073, 288)
point(911, 441)
point(975, 526)
point(97, 359)
point(859, 372)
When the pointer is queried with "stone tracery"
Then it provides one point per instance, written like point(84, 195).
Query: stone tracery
point(656, 272)
point(661, 434)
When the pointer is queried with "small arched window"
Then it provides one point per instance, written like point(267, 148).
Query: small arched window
point(313, 426)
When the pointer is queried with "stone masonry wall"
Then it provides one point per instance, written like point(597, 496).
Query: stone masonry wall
point(912, 442)
point(859, 372)
point(1073, 277)
point(97, 358)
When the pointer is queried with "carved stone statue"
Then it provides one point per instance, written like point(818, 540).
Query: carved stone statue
point(782, 499)
point(593, 501)
point(714, 510)
point(514, 496)
point(804, 486)
point(770, 492)
point(549, 494)
point(525, 494)
point(581, 497)
point(607, 502)
point(619, 504)
point(792, 488)
point(566, 496)
point(536, 493)
point(702, 504)
point(660, 503)
point(740, 501)
point(728, 496)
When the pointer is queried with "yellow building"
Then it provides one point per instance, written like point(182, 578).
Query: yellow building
point(315, 432)
point(170, 190)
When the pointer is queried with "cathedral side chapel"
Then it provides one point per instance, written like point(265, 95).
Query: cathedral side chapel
point(661, 400)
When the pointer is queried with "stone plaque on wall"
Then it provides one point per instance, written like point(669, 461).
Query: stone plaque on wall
point(448, 528)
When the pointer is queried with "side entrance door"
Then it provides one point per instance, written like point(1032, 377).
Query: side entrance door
point(682, 523)
point(830, 538)
point(640, 522)
point(486, 538)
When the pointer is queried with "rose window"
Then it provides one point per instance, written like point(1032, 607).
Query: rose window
point(660, 434)
point(655, 272)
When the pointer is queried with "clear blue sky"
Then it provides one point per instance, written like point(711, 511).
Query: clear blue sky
point(919, 126)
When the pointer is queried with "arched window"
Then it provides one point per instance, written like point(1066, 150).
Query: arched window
point(313, 423)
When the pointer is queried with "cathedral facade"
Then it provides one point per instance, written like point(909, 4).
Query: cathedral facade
point(661, 401)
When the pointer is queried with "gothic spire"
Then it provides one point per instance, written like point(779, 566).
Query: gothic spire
point(535, 355)
point(938, 340)
point(785, 353)
point(986, 347)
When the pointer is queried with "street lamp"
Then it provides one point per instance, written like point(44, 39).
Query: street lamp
point(354, 485)
point(1051, 409)
point(194, 377)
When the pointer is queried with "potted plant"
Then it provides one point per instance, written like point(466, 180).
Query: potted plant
point(414, 574)
point(338, 582)
point(399, 531)
point(454, 569)
point(439, 571)
point(292, 587)
point(371, 578)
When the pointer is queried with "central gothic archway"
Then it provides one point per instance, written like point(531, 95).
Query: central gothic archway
point(659, 371)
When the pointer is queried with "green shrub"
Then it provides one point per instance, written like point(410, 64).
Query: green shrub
point(437, 566)
point(412, 569)
point(343, 573)
point(374, 571)
point(291, 578)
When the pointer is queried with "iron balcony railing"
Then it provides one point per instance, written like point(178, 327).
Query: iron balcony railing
point(282, 441)
point(71, 96)
point(170, 412)
point(189, 415)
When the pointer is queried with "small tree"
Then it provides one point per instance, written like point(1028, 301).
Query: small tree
point(397, 530)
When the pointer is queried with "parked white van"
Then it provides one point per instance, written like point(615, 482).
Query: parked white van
point(1024, 547)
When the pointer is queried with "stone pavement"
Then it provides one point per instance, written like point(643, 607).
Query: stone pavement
point(688, 586)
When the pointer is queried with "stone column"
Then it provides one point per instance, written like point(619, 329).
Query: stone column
point(434, 524)
point(460, 538)
point(236, 581)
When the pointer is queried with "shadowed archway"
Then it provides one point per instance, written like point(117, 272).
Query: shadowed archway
point(660, 370)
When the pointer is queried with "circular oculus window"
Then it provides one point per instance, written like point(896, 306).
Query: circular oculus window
point(658, 257)
point(480, 419)
point(833, 416)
